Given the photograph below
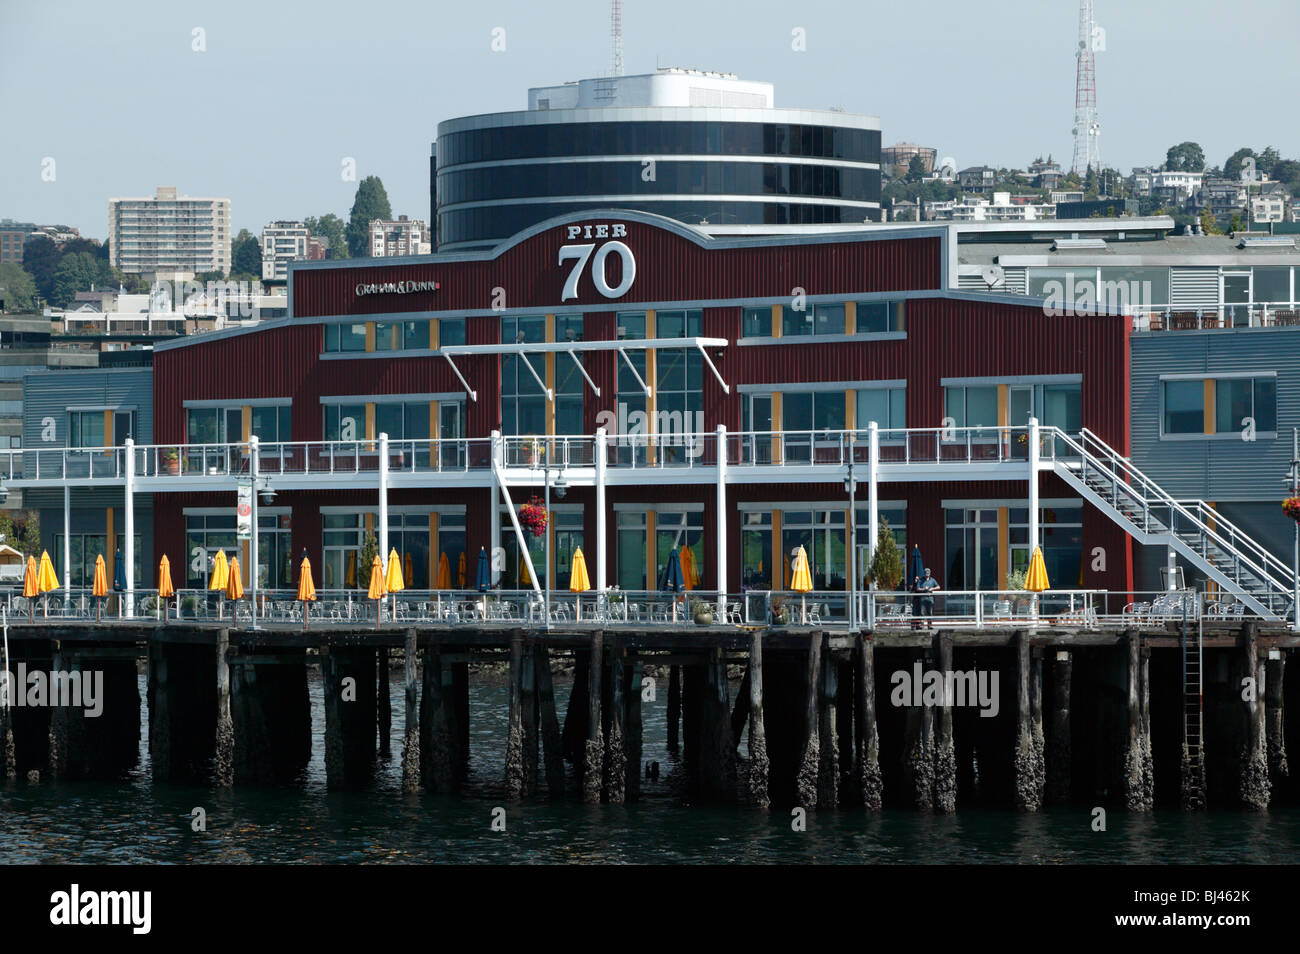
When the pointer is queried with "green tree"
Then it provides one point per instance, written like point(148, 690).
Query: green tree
point(1185, 157)
point(371, 203)
point(915, 169)
point(1209, 225)
point(19, 288)
point(886, 569)
point(80, 271)
point(1090, 184)
point(30, 533)
point(1267, 160)
point(333, 229)
point(1232, 168)
point(41, 257)
point(366, 559)
point(1235, 225)
point(246, 256)
point(89, 245)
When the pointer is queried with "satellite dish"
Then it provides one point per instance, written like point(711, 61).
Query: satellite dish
point(993, 275)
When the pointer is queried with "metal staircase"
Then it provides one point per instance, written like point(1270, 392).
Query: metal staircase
point(1217, 547)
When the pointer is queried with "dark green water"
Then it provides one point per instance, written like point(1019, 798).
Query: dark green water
point(133, 821)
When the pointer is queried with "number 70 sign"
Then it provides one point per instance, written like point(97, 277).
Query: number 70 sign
point(580, 255)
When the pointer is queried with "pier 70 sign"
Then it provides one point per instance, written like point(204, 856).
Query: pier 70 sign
point(597, 254)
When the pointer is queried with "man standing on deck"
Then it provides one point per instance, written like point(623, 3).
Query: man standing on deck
point(925, 586)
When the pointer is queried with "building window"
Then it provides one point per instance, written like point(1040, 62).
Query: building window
point(895, 514)
point(86, 429)
point(822, 535)
point(523, 401)
point(568, 378)
point(756, 550)
point(674, 531)
point(886, 406)
point(345, 337)
point(214, 425)
point(975, 406)
point(1236, 399)
point(401, 335)
point(345, 422)
point(818, 411)
point(756, 323)
point(568, 538)
point(879, 317)
point(205, 534)
point(271, 423)
point(1184, 407)
point(407, 421)
point(631, 551)
point(679, 379)
point(829, 319)
point(343, 535)
point(796, 322)
point(451, 331)
point(453, 565)
point(1273, 284)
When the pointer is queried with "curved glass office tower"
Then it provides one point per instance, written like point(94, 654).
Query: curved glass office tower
point(704, 148)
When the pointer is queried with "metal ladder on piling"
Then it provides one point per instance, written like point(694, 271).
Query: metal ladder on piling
point(1193, 713)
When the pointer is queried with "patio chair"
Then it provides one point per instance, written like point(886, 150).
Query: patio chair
point(1002, 609)
point(735, 614)
point(1137, 611)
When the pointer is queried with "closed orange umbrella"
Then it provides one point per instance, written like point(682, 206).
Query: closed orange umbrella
point(460, 571)
point(165, 588)
point(377, 588)
point(444, 572)
point(689, 575)
point(99, 588)
point(306, 589)
point(31, 587)
point(235, 585)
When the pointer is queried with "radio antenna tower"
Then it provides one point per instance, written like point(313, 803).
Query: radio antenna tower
point(1087, 128)
point(616, 36)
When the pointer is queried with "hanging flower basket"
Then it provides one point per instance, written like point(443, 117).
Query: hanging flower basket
point(1291, 507)
point(533, 517)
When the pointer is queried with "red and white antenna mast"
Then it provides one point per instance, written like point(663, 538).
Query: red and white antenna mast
point(1087, 128)
point(616, 37)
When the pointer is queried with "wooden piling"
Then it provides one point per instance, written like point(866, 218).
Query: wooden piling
point(674, 706)
point(8, 754)
point(632, 727)
point(1275, 672)
point(615, 767)
point(717, 762)
point(1029, 773)
point(1255, 788)
point(384, 703)
point(552, 749)
point(740, 711)
point(528, 714)
point(810, 758)
point(918, 742)
point(435, 723)
point(515, 726)
point(945, 752)
point(759, 766)
point(594, 749)
point(828, 772)
point(160, 742)
point(1057, 790)
point(335, 744)
point(867, 734)
point(411, 737)
point(224, 761)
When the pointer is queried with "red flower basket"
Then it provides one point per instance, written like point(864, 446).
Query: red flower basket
point(533, 517)
point(1291, 507)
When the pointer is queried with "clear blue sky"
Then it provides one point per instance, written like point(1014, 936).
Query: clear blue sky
point(114, 93)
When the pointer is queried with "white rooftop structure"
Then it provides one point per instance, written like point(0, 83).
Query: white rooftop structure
point(666, 87)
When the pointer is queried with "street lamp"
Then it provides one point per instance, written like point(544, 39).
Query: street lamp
point(1293, 478)
point(561, 488)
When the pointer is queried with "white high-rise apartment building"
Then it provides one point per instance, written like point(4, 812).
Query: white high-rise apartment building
point(282, 243)
point(169, 235)
point(401, 237)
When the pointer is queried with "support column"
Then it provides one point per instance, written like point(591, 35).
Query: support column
point(225, 755)
point(1255, 788)
point(383, 505)
point(57, 752)
point(1029, 779)
point(810, 759)
point(759, 766)
point(828, 773)
point(945, 753)
point(515, 730)
point(615, 755)
point(160, 742)
point(384, 705)
point(7, 754)
point(254, 453)
point(67, 541)
point(1278, 770)
point(552, 747)
point(1060, 750)
point(411, 742)
point(918, 741)
point(601, 558)
point(632, 727)
point(1034, 450)
point(720, 531)
point(435, 728)
point(674, 706)
point(593, 750)
point(528, 714)
point(128, 543)
point(868, 733)
point(494, 513)
point(717, 758)
point(873, 491)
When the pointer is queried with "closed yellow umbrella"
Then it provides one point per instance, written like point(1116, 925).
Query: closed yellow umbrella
point(393, 581)
point(801, 581)
point(165, 588)
point(99, 588)
point(524, 578)
point(31, 585)
point(376, 591)
point(306, 589)
point(444, 572)
point(1036, 578)
point(234, 585)
point(579, 581)
point(689, 574)
point(220, 572)
point(46, 581)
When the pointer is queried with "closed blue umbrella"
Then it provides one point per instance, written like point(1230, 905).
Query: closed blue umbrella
point(119, 573)
point(674, 581)
point(916, 567)
point(484, 580)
